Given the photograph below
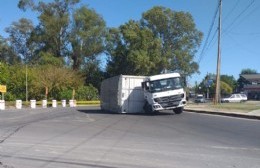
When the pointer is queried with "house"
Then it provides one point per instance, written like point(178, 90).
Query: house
point(251, 86)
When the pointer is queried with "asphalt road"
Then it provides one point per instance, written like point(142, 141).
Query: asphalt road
point(86, 137)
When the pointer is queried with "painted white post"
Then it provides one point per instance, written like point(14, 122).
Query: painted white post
point(18, 104)
point(33, 104)
point(54, 103)
point(63, 103)
point(44, 103)
point(72, 103)
point(2, 105)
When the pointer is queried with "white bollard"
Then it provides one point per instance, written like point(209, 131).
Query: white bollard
point(44, 103)
point(2, 105)
point(33, 104)
point(72, 103)
point(18, 104)
point(54, 103)
point(63, 103)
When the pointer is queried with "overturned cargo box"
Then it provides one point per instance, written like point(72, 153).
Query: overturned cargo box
point(122, 94)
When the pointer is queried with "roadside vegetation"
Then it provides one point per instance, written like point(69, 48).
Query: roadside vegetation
point(228, 107)
point(70, 50)
point(228, 84)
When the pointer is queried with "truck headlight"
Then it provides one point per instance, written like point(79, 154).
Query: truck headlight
point(156, 100)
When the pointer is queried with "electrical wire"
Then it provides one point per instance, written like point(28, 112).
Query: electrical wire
point(247, 16)
point(211, 43)
point(231, 11)
point(208, 35)
point(229, 27)
point(241, 46)
point(208, 43)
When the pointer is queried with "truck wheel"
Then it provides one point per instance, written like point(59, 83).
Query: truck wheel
point(178, 110)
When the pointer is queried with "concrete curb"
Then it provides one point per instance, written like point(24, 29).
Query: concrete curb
point(238, 115)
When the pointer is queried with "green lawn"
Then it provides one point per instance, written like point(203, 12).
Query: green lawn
point(240, 107)
point(245, 107)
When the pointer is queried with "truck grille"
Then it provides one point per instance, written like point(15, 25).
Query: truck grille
point(169, 101)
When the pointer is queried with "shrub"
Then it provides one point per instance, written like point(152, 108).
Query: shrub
point(86, 93)
point(65, 94)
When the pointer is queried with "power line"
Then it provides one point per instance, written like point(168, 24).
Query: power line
point(208, 35)
point(211, 43)
point(245, 34)
point(247, 16)
point(239, 16)
point(213, 40)
point(241, 46)
point(231, 11)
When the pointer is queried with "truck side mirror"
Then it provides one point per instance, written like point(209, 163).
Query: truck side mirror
point(144, 86)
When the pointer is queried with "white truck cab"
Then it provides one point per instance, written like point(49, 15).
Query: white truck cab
point(164, 92)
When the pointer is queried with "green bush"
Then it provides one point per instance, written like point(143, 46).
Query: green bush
point(9, 97)
point(59, 82)
point(86, 93)
point(65, 94)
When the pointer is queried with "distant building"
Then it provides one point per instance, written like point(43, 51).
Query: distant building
point(252, 86)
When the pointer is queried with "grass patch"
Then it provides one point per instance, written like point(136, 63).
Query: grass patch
point(244, 107)
point(232, 107)
point(93, 102)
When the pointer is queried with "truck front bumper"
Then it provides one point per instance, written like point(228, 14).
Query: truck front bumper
point(168, 105)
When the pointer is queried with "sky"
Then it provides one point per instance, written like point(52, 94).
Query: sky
point(240, 37)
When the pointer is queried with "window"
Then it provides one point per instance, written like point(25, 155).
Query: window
point(165, 84)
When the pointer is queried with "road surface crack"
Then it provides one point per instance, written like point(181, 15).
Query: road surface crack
point(8, 134)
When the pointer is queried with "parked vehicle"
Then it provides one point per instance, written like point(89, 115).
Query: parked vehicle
point(235, 98)
point(134, 94)
point(200, 99)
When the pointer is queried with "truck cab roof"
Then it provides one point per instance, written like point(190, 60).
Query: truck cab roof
point(163, 76)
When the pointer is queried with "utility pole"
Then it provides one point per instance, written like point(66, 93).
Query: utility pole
point(217, 95)
point(26, 83)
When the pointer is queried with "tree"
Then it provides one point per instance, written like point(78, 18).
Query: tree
point(207, 86)
point(226, 89)
point(55, 79)
point(49, 59)
point(94, 75)
point(179, 38)
point(230, 80)
point(67, 33)
point(13, 76)
point(19, 35)
point(51, 34)
point(7, 55)
point(161, 40)
point(133, 50)
point(87, 36)
point(4, 70)
point(248, 71)
point(87, 93)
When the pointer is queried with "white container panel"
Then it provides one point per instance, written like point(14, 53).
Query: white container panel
point(122, 94)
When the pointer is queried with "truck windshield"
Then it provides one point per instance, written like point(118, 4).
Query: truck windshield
point(165, 84)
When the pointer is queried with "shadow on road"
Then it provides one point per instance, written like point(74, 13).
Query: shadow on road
point(98, 111)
